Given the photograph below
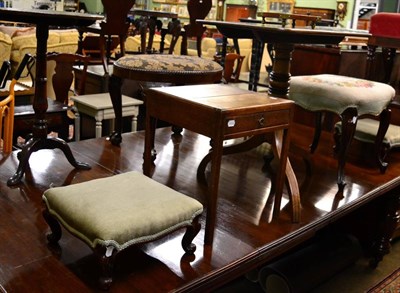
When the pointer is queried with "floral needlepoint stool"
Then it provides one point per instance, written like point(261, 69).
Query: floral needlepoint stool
point(350, 99)
point(113, 213)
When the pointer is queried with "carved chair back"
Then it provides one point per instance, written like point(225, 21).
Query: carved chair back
point(63, 75)
point(198, 9)
point(116, 22)
point(232, 67)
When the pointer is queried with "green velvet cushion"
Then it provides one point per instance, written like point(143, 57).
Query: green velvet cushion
point(368, 128)
point(335, 93)
point(120, 210)
point(168, 63)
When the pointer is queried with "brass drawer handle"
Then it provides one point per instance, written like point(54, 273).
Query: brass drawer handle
point(261, 121)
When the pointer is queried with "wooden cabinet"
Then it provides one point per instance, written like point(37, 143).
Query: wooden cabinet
point(234, 12)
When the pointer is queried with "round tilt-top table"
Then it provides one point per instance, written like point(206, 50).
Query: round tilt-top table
point(43, 19)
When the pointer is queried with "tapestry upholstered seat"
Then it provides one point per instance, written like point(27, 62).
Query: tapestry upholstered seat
point(349, 98)
point(158, 68)
point(110, 214)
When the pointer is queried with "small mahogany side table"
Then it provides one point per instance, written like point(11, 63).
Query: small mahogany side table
point(43, 19)
point(222, 112)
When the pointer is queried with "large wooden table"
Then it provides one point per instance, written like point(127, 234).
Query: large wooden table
point(43, 19)
point(246, 235)
point(283, 40)
point(222, 112)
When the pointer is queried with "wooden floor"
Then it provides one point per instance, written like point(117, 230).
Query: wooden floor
point(246, 235)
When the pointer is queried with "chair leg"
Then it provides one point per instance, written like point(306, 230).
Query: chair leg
point(114, 85)
point(384, 121)
point(319, 116)
point(349, 122)
point(103, 53)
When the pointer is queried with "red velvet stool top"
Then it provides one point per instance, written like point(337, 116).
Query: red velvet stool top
point(385, 24)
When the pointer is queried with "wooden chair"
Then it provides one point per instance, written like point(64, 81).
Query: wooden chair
point(90, 47)
point(232, 67)
point(198, 9)
point(4, 73)
point(7, 107)
point(61, 75)
point(115, 24)
point(7, 119)
point(60, 78)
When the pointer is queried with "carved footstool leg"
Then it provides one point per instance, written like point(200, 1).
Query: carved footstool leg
point(191, 232)
point(55, 227)
point(105, 257)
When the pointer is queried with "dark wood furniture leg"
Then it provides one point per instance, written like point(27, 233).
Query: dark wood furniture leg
point(392, 218)
point(257, 51)
point(279, 78)
point(114, 85)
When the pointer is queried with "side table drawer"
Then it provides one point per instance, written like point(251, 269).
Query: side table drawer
point(257, 121)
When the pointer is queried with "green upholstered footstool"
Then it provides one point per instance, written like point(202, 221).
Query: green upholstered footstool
point(113, 213)
point(350, 99)
point(158, 68)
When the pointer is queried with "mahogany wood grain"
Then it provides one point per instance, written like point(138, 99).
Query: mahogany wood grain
point(246, 236)
point(283, 40)
point(222, 112)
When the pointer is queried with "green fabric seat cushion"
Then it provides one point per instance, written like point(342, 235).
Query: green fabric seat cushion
point(335, 93)
point(120, 210)
point(167, 68)
point(368, 128)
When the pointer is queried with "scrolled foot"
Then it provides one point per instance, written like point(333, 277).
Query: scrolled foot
point(16, 178)
point(115, 138)
point(82, 166)
point(382, 167)
point(191, 232)
point(55, 227)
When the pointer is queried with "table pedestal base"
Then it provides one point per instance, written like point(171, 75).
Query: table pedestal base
point(35, 144)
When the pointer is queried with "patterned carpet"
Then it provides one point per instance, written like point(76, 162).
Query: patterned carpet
point(390, 284)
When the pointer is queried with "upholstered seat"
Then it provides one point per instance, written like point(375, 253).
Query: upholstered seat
point(110, 214)
point(349, 98)
point(367, 129)
point(335, 93)
point(158, 68)
point(385, 33)
point(167, 68)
